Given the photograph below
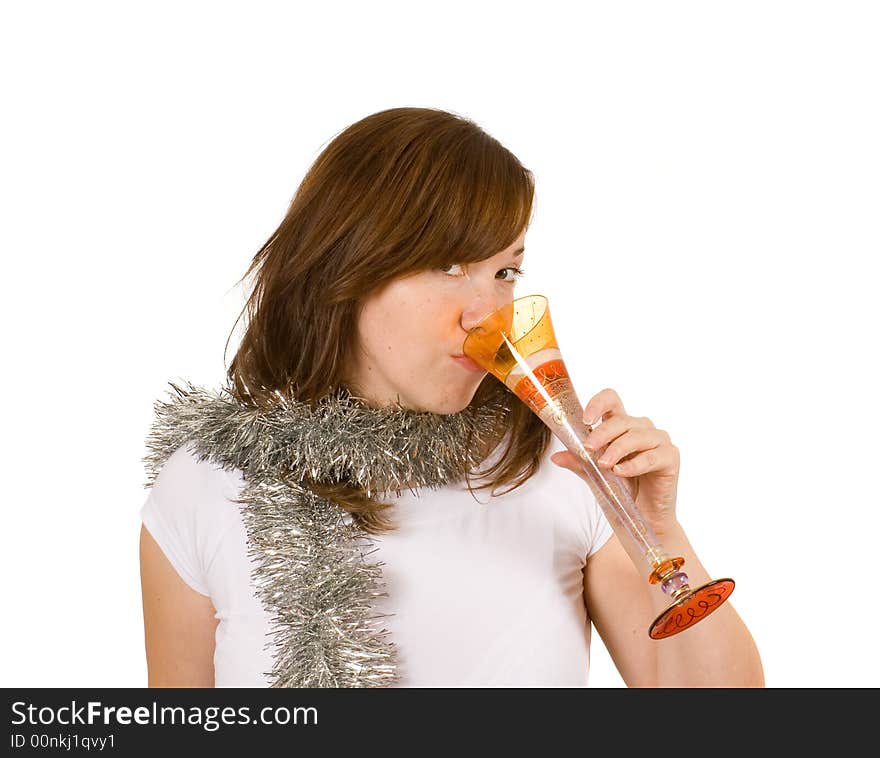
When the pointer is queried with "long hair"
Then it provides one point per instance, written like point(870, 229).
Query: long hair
point(390, 195)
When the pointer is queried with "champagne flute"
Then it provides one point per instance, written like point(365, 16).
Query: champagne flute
point(517, 345)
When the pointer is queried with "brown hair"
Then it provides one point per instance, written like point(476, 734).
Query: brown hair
point(391, 195)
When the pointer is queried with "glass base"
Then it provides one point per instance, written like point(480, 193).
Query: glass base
point(690, 608)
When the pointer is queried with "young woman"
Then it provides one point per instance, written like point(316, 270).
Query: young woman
point(312, 528)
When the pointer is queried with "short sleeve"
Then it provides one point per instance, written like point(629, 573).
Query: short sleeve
point(187, 511)
point(599, 530)
point(592, 527)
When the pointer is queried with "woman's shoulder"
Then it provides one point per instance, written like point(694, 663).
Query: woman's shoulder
point(190, 486)
point(565, 487)
point(190, 512)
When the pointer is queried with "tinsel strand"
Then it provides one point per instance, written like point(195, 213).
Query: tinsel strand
point(312, 570)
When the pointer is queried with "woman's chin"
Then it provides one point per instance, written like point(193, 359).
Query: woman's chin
point(450, 400)
point(453, 403)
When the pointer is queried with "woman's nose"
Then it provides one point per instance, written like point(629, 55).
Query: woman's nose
point(476, 309)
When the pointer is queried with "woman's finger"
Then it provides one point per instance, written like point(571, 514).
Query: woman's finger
point(612, 428)
point(633, 441)
point(602, 404)
point(657, 459)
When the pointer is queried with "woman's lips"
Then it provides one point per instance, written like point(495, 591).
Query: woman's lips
point(467, 363)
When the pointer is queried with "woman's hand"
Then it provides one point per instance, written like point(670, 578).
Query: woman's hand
point(640, 454)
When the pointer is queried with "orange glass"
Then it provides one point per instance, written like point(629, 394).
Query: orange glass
point(518, 346)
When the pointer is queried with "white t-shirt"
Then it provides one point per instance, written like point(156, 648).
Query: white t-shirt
point(484, 593)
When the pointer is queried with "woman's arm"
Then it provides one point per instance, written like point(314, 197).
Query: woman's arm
point(717, 652)
point(179, 623)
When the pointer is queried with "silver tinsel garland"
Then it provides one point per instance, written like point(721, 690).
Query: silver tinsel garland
point(312, 572)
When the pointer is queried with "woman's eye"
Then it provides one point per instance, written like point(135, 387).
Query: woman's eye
point(516, 273)
point(509, 274)
point(449, 269)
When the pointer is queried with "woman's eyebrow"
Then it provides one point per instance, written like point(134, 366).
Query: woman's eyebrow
point(517, 253)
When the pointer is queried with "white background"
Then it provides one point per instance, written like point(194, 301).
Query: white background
point(706, 230)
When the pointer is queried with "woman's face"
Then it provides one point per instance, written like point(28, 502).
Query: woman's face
point(410, 330)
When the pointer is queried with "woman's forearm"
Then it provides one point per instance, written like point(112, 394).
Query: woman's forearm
point(716, 652)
